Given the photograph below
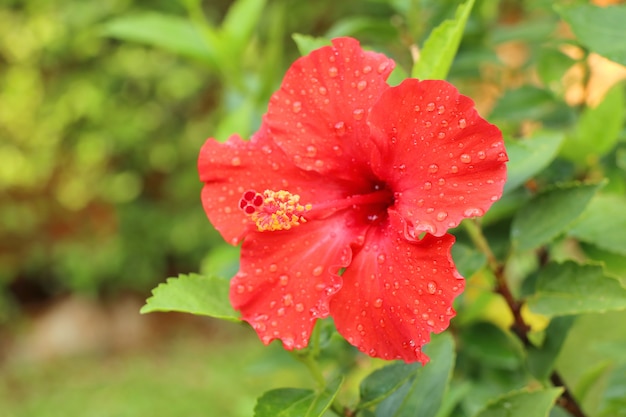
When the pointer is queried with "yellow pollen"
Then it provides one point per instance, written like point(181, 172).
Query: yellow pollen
point(274, 210)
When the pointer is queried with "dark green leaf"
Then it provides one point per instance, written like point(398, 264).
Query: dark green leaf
point(422, 396)
point(467, 259)
point(440, 48)
point(600, 29)
point(195, 294)
point(522, 404)
point(383, 382)
point(604, 223)
point(549, 214)
point(570, 288)
point(524, 103)
point(530, 156)
point(598, 128)
point(492, 346)
point(306, 43)
point(172, 33)
point(293, 402)
point(541, 358)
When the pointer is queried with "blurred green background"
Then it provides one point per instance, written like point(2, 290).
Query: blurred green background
point(100, 128)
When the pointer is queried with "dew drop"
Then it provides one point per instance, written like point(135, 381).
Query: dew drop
point(441, 109)
point(454, 169)
point(430, 107)
point(358, 114)
point(465, 158)
point(367, 69)
point(281, 311)
point(319, 163)
point(322, 90)
point(317, 271)
point(442, 215)
point(382, 67)
point(417, 108)
point(441, 135)
point(236, 161)
point(287, 300)
point(340, 128)
point(502, 157)
point(462, 123)
point(378, 303)
point(433, 168)
point(481, 155)
point(273, 268)
point(337, 150)
point(311, 151)
point(361, 85)
point(283, 280)
point(240, 289)
point(300, 307)
point(428, 185)
point(332, 71)
point(296, 106)
point(381, 258)
point(472, 212)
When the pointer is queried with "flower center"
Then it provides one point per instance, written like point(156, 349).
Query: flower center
point(273, 210)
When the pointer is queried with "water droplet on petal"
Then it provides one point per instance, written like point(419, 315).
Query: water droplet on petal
point(361, 85)
point(287, 300)
point(332, 71)
point(481, 155)
point(283, 280)
point(430, 107)
point(236, 161)
point(428, 185)
point(322, 90)
point(454, 169)
point(417, 108)
point(240, 289)
point(441, 109)
point(472, 212)
point(378, 303)
point(300, 307)
point(358, 114)
point(465, 158)
point(367, 69)
point(296, 106)
point(441, 135)
point(502, 157)
point(317, 271)
point(442, 215)
point(382, 67)
point(433, 168)
point(311, 151)
point(340, 128)
point(381, 258)
point(462, 123)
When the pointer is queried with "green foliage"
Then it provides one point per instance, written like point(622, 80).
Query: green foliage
point(287, 402)
point(195, 294)
point(522, 404)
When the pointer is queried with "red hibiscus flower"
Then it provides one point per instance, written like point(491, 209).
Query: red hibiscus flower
point(343, 199)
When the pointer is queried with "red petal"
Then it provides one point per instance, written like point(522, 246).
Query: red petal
point(287, 278)
point(446, 162)
point(319, 114)
point(396, 293)
point(229, 169)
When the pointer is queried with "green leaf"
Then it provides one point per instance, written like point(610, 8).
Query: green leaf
point(306, 43)
point(522, 404)
point(423, 394)
point(524, 103)
point(603, 223)
point(614, 399)
point(549, 214)
point(570, 288)
point(172, 33)
point(294, 402)
point(195, 294)
point(441, 46)
point(598, 128)
point(541, 359)
point(492, 346)
point(614, 263)
point(467, 259)
point(600, 29)
point(383, 382)
point(531, 156)
point(240, 21)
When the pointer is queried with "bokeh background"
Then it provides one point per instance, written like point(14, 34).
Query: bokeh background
point(99, 197)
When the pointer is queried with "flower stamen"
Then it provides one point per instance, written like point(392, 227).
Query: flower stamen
point(273, 210)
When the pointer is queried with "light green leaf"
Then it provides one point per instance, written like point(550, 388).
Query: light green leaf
point(172, 33)
point(603, 223)
point(549, 214)
point(306, 43)
point(522, 404)
point(294, 402)
point(614, 399)
point(195, 294)
point(530, 156)
point(614, 263)
point(541, 359)
point(423, 394)
point(598, 128)
point(440, 48)
point(467, 259)
point(570, 288)
point(600, 29)
point(240, 21)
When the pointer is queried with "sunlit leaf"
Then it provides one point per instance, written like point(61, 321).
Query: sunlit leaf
point(292, 402)
point(306, 43)
point(440, 48)
point(601, 29)
point(549, 214)
point(570, 288)
point(603, 223)
point(195, 294)
point(522, 404)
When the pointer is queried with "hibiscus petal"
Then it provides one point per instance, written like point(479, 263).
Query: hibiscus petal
point(396, 292)
point(287, 278)
point(443, 160)
point(231, 168)
point(319, 114)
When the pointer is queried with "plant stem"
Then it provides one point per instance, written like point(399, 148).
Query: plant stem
point(519, 327)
